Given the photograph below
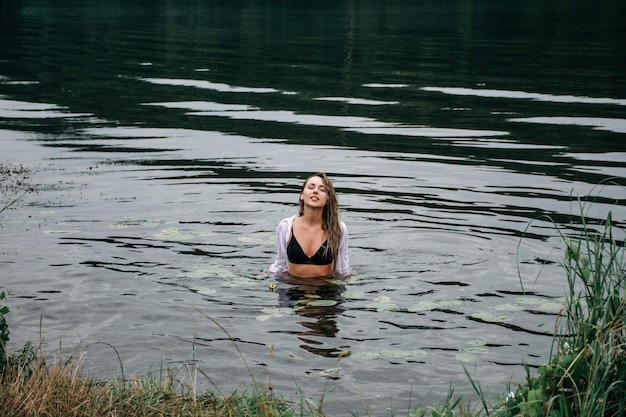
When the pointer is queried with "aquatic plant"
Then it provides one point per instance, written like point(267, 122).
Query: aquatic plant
point(4, 333)
point(14, 185)
point(587, 373)
point(19, 359)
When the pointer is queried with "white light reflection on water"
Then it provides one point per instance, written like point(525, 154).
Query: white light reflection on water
point(208, 85)
point(525, 95)
point(359, 101)
point(14, 109)
point(204, 106)
point(431, 132)
point(349, 123)
point(282, 116)
point(599, 123)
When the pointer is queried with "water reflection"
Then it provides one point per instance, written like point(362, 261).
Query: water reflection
point(15, 109)
point(599, 123)
point(525, 95)
point(208, 85)
point(320, 300)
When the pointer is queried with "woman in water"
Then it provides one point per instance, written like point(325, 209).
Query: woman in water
point(313, 243)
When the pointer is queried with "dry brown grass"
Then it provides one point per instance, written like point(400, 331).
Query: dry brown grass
point(63, 390)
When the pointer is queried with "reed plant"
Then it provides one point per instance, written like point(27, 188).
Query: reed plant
point(586, 376)
point(4, 332)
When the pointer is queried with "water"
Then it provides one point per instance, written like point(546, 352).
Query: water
point(164, 142)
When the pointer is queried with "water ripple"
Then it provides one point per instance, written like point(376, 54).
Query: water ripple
point(525, 95)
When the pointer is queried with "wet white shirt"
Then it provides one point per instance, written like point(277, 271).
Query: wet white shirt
point(283, 233)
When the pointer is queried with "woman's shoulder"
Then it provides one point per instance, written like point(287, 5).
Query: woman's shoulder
point(286, 222)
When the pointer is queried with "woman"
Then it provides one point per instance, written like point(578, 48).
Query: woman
point(315, 242)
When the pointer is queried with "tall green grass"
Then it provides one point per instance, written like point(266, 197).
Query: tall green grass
point(586, 375)
point(4, 332)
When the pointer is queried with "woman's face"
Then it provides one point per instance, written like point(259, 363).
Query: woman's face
point(314, 193)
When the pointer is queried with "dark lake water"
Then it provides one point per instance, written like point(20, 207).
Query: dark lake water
point(164, 141)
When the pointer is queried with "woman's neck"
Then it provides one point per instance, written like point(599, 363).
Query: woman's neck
point(312, 217)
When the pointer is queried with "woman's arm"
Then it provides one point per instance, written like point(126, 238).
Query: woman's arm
point(282, 236)
point(342, 266)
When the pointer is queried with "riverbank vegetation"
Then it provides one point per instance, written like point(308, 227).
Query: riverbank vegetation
point(14, 184)
point(586, 375)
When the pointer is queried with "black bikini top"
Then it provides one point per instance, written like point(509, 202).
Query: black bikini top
point(297, 256)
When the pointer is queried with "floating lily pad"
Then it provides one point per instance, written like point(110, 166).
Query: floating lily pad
point(509, 307)
point(432, 305)
point(489, 317)
point(554, 307)
point(260, 238)
point(449, 303)
point(117, 226)
point(423, 306)
point(203, 290)
point(176, 235)
point(273, 312)
point(198, 273)
point(365, 355)
point(237, 282)
point(411, 354)
point(396, 287)
point(417, 355)
point(60, 231)
point(353, 294)
point(466, 357)
point(322, 303)
point(277, 310)
point(383, 303)
point(211, 270)
point(329, 373)
point(476, 349)
point(301, 303)
point(530, 300)
point(145, 222)
point(475, 342)
point(171, 234)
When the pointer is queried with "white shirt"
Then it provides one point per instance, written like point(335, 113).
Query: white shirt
point(283, 233)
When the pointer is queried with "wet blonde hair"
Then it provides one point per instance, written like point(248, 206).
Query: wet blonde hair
point(330, 216)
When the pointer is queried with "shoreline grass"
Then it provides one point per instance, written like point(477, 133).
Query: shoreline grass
point(586, 374)
point(62, 389)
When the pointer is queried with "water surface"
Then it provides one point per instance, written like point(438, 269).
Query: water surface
point(164, 142)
